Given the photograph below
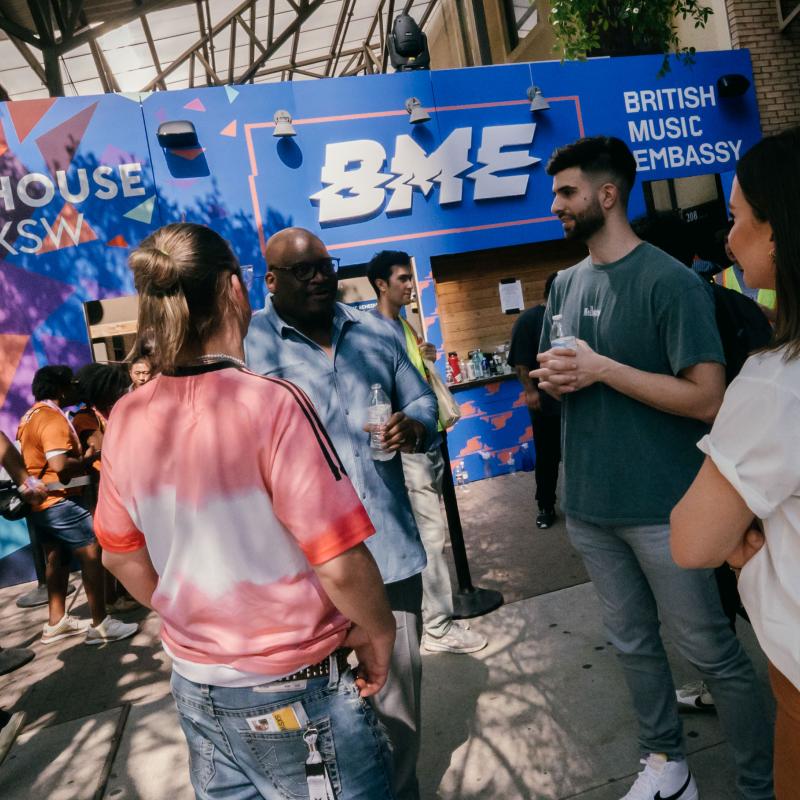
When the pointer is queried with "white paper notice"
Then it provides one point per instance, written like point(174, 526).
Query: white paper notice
point(511, 301)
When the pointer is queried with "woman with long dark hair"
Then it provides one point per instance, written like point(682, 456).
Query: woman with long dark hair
point(224, 507)
point(744, 505)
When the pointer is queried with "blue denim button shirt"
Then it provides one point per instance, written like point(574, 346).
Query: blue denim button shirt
point(365, 352)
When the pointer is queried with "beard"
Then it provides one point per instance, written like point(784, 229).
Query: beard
point(586, 224)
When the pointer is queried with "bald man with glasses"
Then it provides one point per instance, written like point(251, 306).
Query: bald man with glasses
point(335, 354)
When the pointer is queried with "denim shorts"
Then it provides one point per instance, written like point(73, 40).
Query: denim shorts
point(229, 760)
point(67, 522)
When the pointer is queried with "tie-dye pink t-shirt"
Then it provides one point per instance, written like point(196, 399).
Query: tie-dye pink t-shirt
point(230, 481)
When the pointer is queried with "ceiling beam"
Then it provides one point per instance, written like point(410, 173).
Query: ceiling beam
point(19, 31)
point(74, 16)
point(112, 23)
point(385, 44)
point(307, 62)
point(189, 52)
point(307, 8)
point(330, 69)
point(28, 55)
point(43, 20)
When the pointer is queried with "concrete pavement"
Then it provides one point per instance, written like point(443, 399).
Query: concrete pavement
point(541, 714)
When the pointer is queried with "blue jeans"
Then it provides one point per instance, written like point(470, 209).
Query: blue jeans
point(67, 522)
point(230, 761)
point(641, 588)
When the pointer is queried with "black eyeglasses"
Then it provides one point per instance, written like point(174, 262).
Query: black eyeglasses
point(305, 270)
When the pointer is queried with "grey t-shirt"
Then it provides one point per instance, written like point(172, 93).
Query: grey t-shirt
point(626, 463)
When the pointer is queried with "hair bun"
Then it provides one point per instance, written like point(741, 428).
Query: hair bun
point(156, 270)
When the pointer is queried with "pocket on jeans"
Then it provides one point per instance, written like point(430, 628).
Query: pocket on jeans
point(201, 752)
point(283, 756)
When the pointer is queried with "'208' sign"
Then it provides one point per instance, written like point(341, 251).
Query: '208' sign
point(356, 184)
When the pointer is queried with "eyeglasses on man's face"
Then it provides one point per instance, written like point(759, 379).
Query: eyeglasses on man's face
point(246, 271)
point(305, 270)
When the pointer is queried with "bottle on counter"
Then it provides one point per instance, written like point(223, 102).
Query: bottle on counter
point(379, 409)
point(476, 359)
point(455, 367)
point(448, 374)
point(559, 335)
point(462, 366)
point(469, 370)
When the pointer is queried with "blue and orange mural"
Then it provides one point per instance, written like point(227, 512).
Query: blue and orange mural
point(82, 180)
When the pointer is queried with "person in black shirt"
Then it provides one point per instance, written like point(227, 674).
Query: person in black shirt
point(545, 411)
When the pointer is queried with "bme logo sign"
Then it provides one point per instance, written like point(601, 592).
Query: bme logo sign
point(357, 181)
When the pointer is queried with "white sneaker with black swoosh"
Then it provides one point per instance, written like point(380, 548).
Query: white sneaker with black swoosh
point(663, 780)
point(694, 697)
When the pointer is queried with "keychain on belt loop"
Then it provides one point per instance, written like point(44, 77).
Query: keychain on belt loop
point(319, 784)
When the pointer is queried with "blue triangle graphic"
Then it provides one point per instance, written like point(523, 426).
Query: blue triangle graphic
point(143, 212)
point(232, 93)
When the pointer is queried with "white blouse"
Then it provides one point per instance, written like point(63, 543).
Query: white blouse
point(755, 444)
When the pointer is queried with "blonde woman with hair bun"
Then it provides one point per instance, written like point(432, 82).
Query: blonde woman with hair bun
point(224, 507)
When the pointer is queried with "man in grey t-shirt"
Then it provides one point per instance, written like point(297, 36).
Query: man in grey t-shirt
point(644, 380)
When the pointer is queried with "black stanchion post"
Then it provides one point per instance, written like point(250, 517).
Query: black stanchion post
point(468, 601)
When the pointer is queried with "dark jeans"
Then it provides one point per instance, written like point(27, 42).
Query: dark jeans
point(547, 441)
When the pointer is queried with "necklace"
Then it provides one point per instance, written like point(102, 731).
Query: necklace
point(214, 358)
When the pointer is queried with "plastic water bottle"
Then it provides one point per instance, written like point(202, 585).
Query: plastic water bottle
point(486, 456)
point(379, 410)
point(559, 336)
point(461, 476)
point(512, 463)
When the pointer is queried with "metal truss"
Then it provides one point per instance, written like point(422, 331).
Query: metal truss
point(787, 13)
point(57, 27)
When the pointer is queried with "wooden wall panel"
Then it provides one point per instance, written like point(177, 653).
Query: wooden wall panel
point(469, 298)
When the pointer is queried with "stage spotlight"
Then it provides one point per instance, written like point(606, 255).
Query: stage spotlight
point(408, 45)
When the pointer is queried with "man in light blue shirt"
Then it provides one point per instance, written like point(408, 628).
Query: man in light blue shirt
point(335, 353)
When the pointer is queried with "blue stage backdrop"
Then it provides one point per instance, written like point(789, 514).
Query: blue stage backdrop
point(84, 179)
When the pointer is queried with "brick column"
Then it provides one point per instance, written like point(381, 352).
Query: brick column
point(776, 60)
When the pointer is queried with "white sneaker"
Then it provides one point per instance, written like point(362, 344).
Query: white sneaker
point(110, 630)
point(458, 639)
point(663, 780)
point(695, 697)
point(66, 626)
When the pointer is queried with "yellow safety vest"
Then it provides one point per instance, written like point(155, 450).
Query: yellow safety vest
point(412, 348)
point(414, 354)
point(766, 297)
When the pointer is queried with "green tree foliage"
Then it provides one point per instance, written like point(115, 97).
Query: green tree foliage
point(624, 27)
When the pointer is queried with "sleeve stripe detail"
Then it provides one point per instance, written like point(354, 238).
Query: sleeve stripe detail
point(327, 447)
point(320, 432)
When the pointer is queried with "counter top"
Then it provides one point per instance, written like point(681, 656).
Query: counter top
point(457, 387)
